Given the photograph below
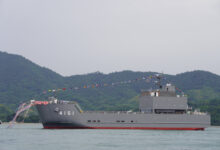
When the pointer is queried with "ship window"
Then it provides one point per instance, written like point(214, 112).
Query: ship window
point(89, 120)
point(69, 113)
point(132, 121)
point(122, 121)
point(94, 120)
point(98, 120)
point(73, 113)
point(60, 113)
point(118, 121)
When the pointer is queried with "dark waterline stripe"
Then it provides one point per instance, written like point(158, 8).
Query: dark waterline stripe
point(132, 128)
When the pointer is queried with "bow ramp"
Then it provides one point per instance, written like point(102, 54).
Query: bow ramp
point(25, 107)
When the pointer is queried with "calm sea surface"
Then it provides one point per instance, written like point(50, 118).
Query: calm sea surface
point(33, 137)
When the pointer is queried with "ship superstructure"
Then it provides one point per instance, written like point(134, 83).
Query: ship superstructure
point(160, 109)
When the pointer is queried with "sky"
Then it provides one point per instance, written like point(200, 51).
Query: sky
point(83, 36)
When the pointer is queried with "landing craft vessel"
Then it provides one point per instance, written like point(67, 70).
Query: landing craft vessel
point(159, 109)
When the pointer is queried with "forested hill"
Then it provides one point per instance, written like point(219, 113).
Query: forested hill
point(22, 80)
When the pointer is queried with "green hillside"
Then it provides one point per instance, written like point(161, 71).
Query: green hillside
point(22, 80)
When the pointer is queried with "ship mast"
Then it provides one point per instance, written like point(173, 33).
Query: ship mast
point(158, 82)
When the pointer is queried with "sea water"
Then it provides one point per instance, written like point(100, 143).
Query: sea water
point(34, 137)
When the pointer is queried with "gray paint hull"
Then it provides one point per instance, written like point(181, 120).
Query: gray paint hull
point(71, 118)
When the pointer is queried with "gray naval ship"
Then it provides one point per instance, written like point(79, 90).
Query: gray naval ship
point(160, 109)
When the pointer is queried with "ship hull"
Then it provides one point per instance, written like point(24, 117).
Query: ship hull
point(66, 116)
point(64, 126)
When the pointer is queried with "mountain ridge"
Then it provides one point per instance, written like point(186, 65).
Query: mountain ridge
point(17, 71)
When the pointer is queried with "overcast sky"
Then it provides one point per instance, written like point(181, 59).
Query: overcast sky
point(83, 36)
